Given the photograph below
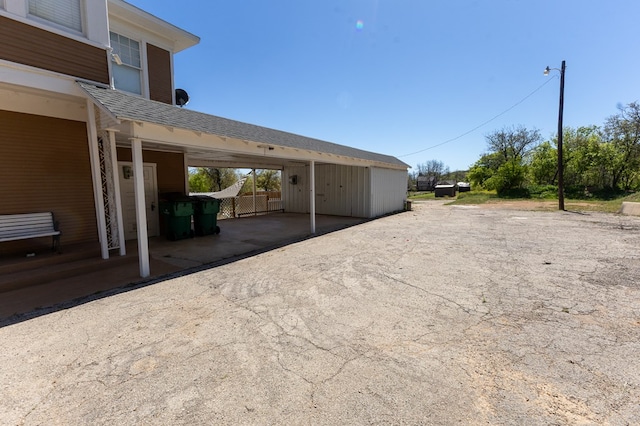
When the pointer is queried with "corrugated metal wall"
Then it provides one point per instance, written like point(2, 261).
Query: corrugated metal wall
point(340, 190)
point(361, 183)
point(295, 198)
point(388, 191)
point(333, 189)
point(44, 166)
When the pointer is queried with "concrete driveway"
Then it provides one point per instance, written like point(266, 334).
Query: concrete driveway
point(442, 315)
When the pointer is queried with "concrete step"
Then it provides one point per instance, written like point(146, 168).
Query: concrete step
point(630, 208)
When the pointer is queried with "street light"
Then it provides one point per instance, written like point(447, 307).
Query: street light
point(560, 162)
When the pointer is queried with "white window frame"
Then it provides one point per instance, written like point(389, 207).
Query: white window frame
point(42, 17)
point(127, 63)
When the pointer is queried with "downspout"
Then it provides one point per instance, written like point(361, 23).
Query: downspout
point(110, 67)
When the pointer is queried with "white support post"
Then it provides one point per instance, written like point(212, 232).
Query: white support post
point(116, 188)
point(185, 161)
point(141, 210)
point(254, 192)
point(312, 195)
point(94, 157)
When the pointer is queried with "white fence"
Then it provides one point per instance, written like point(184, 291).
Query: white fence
point(243, 205)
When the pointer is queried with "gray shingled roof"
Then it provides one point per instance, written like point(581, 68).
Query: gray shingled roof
point(124, 106)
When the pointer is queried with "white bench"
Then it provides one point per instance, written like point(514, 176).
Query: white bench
point(29, 225)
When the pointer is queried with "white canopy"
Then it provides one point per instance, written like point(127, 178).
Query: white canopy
point(229, 192)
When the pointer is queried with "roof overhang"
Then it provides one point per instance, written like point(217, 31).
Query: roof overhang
point(210, 150)
point(213, 141)
point(180, 38)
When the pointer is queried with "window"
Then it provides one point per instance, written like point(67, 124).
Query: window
point(127, 75)
point(67, 13)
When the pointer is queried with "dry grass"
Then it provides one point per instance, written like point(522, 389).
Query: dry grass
point(490, 200)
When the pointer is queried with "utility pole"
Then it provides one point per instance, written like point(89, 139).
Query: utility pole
point(560, 160)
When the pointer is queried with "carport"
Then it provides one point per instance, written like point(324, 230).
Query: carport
point(352, 182)
point(48, 278)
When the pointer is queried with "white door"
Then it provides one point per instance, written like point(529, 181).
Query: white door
point(125, 173)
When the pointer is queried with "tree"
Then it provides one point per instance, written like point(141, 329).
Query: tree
point(543, 166)
point(509, 176)
point(412, 179)
point(622, 131)
point(268, 180)
point(456, 176)
point(434, 168)
point(583, 157)
point(513, 143)
point(209, 179)
point(199, 182)
point(504, 167)
point(484, 168)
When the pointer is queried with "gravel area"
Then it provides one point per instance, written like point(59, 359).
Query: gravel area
point(442, 315)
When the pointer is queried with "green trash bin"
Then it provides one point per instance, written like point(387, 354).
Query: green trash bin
point(205, 215)
point(177, 213)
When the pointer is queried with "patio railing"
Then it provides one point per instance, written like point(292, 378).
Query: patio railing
point(242, 205)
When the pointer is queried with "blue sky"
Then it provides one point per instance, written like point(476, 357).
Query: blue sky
point(402, 76)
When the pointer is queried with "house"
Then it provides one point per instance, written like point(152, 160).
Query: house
point(425, 183)
point(90, 130)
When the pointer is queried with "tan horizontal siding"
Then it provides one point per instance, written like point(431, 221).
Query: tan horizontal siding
point(159, 66)
point(44, 166)
point(36, 47)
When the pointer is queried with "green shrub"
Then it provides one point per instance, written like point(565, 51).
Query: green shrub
point(543, 192)
point(474, 197)
point(579, 192)
point(514, 193)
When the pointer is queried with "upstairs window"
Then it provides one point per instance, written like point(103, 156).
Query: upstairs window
point(127, 75)
point(67, 13)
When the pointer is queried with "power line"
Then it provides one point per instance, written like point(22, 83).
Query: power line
point(484, 123)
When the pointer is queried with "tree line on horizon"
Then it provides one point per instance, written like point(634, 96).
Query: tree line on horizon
point(436, 170)
point(597, 160)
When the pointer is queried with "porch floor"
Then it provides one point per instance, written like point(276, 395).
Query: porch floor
point(51, 279)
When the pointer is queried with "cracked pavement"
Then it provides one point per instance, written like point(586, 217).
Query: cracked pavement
point(441, 315)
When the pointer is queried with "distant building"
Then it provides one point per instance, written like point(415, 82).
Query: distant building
point(464, 187)
point(443, 190)
point(426, 183)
